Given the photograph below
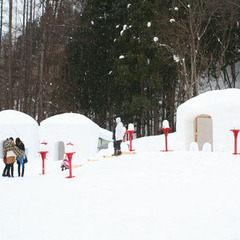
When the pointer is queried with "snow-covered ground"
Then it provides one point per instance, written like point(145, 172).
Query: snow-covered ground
point(150, 195)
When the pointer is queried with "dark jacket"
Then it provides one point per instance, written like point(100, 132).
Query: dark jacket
point(114, 131)
point(21, 146)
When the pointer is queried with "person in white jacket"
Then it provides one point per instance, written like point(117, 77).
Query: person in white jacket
point(119, 134)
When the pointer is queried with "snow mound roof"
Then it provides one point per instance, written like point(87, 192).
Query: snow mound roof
point(105, 134)
point(14, 117)
point(217, 98)
point(68, 119)
point(209, 117)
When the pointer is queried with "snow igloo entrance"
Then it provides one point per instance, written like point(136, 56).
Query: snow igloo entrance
point(61, 150)
point(203, 130)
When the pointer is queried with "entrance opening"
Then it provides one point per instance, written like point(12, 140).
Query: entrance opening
point(61, 150)
point(203, 130)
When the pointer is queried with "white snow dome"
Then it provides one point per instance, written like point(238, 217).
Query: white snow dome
point(59, 130)
point(17, 124)
point(210, 117)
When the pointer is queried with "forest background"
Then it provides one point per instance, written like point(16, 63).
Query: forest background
point(138, 59)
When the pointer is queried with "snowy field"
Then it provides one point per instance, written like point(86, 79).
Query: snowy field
point(150, 195)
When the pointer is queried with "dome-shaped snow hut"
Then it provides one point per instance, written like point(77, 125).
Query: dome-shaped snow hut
point(17, 124)
point(209, 117)
point(61, 129)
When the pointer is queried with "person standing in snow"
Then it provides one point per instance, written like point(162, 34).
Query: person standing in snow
point(5, 161)
point(119, 134)
point(10, 150)
point(21, 161)
point(114, 135)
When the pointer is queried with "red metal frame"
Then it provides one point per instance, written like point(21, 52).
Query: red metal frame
point(130, 139)
point(166, 130)
point(43, 155)
point(69, 155)
point(235, 133)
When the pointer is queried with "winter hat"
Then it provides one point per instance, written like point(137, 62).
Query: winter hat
point(118, 119)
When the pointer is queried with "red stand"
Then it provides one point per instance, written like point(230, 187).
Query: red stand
point(130, 139)
point(43, 154)
point(69, 155)
point(235, 132)
point(166, 130)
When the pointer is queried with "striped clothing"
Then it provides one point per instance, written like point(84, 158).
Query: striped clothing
point(9, 146)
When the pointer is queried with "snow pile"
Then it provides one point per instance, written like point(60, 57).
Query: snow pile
point(17, 124)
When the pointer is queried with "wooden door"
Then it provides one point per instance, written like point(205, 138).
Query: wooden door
point(203, 130)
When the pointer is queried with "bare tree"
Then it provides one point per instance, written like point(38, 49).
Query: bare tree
point(198, 36)
point(184, 37)
point(1, 30)
point(1, 83)
point(10, 80)
point(225, 23)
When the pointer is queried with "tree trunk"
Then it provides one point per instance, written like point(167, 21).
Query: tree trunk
point(233, 74)
point(1, 24)
point(156, 119)
point(41, 77)
point(10, 95)
point(22, 66)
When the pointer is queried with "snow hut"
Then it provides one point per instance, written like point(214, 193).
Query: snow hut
point(17, 124)
point(210, 117)
point(64, 128)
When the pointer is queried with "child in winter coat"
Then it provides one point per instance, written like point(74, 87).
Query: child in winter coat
point(65, 164)
point(119, 134)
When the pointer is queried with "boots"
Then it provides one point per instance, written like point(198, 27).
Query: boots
point(115, 152)
point(119, 152)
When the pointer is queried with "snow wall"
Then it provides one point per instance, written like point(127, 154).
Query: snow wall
point(209, 117)
point(17, 124)
point(105, 134)
point(61, 129)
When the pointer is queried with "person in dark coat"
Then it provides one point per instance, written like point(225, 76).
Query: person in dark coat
point(21, 161)
point(114, 136)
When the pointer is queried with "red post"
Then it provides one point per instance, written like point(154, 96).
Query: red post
point(69, 155)
point(235, 133)
point(166, 130)
point(130, 138)
point(43, 154)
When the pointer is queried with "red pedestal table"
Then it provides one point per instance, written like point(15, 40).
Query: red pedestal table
point(43, 155)
point(69, 155)
point(235, 133)
point(166, 130)
point(130, 132)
